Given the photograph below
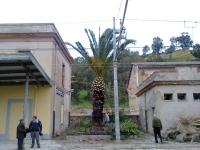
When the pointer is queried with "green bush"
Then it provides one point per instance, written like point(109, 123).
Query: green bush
point(122, 116)
point(128, 128)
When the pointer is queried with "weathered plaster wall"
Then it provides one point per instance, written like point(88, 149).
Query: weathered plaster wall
point(169, 111)
point(132, 88)
point(138, 75)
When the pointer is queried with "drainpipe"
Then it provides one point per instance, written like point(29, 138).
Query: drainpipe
point(54, 99)
point(146, 122)
point(35, 104)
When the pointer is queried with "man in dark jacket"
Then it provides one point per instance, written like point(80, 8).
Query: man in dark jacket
point(36, 128)
point(157, 126)
point(21, 133)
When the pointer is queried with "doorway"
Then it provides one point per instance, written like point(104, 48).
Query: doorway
point(14, 113)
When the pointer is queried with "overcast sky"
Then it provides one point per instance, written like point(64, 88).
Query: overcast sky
point(72, 16)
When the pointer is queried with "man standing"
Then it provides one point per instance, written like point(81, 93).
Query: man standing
point(21, 133)
point(157, 126)
point(106, 118)
point(36, 128)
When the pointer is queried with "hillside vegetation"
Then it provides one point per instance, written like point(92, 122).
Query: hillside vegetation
point(178, 55)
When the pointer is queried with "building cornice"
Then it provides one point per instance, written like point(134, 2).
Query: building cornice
point(158, 83)
point(35, 37)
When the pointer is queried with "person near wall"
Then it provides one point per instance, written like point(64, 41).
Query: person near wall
point(21, 134)
point(35, 128)
point(106, 119)
point(157, 127)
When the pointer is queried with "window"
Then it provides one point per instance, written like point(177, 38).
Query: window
point(168, 97)
point(63, 75)
point(181, 96)
point(196, 96)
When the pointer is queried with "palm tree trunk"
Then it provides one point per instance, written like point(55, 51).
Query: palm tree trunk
point(98, 101)
point(98, 89)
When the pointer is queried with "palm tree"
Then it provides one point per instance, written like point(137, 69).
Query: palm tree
point(99, 62)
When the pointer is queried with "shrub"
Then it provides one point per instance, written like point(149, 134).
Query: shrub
point(122, 116)
point(128, 128)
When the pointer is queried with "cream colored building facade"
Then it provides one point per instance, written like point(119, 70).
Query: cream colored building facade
point(169, 90)
point(40, 49)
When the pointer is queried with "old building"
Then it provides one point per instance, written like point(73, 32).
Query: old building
point(167, 89)
point(35, 68)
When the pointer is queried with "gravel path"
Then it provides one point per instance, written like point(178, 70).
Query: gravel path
point(145, 141)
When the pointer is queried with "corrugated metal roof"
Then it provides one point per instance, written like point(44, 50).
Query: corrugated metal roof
point(13, 69)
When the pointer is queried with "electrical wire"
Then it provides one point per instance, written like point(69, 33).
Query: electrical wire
point(119, 10)
point(50, 49)
point(130, 19)
point(175, 21)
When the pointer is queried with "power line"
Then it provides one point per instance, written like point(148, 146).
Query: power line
point(52, 49)
point(119, 9)
point(130, 19)
point(164, 20)
point(147, 20)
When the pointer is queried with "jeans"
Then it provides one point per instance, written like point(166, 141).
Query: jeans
point(35, 135)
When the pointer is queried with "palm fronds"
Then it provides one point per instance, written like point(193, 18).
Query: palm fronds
point(102, 51)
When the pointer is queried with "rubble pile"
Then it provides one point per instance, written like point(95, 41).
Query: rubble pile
point(186, 130)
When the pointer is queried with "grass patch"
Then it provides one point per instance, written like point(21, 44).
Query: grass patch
point(81, 104)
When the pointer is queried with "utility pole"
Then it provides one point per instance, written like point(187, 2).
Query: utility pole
point(122, 24)
point(195, 26)
point(117, 130)
point(99, 33)
point(115, 49)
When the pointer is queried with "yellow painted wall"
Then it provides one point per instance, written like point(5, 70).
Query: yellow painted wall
point(11, 92)
point(43, 107)
point(41, 96)
point(15, 114)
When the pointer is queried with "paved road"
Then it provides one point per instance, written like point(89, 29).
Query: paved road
point(144, 142)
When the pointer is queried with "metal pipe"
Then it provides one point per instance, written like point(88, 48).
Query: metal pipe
point(69, 119)
point(26, 95)
point(146, 120)
point(53, 123)
point(35, 104)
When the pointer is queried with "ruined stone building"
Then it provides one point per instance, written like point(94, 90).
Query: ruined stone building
point(167, 89)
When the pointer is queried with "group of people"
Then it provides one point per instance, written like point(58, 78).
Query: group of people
point(35, 128)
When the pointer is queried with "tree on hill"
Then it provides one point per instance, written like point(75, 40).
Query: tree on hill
point(100, 62)
point(184, 41)
point(172, 46)
point(145, 50)
point(196, 50)
point(157, 45)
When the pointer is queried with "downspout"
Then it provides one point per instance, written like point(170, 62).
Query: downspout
point(35, 105)
point(54, 99)
point(146, 122)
